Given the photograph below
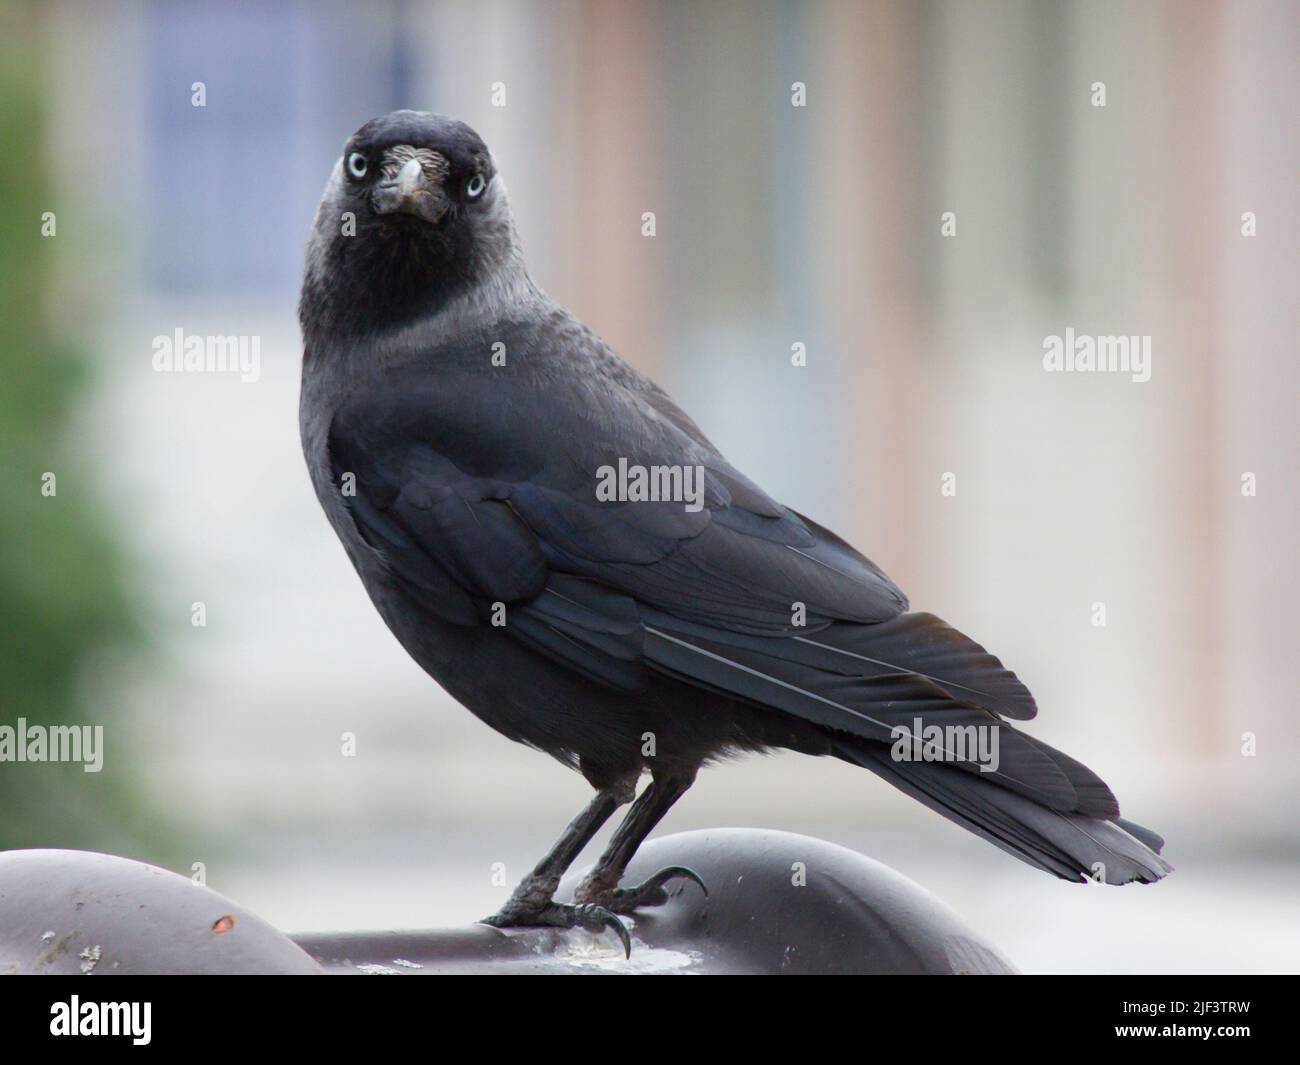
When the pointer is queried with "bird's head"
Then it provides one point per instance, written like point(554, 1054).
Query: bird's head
point(413, 213)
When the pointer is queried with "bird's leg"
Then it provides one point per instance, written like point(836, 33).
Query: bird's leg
point(600, 886)
point(532, 903)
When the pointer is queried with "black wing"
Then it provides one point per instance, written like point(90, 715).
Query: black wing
point(477, 485)
point(480, 490)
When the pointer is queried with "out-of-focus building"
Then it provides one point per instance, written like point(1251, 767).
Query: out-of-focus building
point(951, 194)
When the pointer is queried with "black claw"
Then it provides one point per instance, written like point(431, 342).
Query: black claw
point(619, 929)
point(596, 918)
point(587, 916)
point(652, 891)
point(672, 872)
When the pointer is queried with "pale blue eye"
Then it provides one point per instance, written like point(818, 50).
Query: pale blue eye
point(357, 165)
point(476, 186)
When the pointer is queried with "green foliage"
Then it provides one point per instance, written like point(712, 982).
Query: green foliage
point(65, 614)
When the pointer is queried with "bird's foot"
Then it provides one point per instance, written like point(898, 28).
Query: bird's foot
point(552, 914)
point(653, 892)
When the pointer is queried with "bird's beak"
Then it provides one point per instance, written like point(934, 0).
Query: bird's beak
point(411, 192)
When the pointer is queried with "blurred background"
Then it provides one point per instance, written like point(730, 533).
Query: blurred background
point(775, 225)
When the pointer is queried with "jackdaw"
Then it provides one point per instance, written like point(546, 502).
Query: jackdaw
point(461, 429)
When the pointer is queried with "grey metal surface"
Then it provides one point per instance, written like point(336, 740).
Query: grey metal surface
point(778, 903)
point(81, 912)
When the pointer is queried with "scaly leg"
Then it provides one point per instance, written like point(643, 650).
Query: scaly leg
point(600, 887)
point(532, 904)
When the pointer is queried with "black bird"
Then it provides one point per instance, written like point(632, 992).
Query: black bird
point(460, 429)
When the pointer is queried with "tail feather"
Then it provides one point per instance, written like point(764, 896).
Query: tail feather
point(1093, 794)
point(1072, 846)
point(1153, 840)
point(878, 702)
point(870, 687)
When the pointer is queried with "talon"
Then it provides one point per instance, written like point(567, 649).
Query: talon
point(672, 872)
point(596, 919)
point(610, 921)
point(651, 892)
point(587, 916)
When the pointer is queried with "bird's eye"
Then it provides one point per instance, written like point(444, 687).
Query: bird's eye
point(475, 187)
point(357, 165)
